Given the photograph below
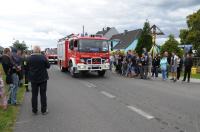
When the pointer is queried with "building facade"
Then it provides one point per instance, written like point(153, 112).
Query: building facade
point(108, 32)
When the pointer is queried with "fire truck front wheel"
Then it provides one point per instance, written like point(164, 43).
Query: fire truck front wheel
point(101, 73)
point(72, 70)
point(62, 69)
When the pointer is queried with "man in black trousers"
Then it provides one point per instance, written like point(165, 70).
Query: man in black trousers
point(25, 68)
point(188, 66)
point(38, 76)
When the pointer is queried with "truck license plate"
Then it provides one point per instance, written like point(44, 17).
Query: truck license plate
point(95, 66)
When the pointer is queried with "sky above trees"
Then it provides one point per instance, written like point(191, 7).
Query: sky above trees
point(43, 22)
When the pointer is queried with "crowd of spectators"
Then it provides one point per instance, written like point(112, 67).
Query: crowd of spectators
point(146, 66)
point(13, 67)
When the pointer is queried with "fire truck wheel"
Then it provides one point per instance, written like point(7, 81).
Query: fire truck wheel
point(101, 73)
point(72, 72)
point(62, 69)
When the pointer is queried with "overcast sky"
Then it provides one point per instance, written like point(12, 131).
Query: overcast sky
point(43, 22)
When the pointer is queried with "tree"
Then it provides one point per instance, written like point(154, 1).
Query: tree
point(171, 45)
point(183, 35)
point(20, 46)
point(191, 35)
point(145, 41)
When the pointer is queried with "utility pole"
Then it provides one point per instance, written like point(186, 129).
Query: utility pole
point(83, 30)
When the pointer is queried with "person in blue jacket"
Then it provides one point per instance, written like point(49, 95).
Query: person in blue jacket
point(163, 66)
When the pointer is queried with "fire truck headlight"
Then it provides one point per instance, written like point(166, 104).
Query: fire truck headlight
point(106, 66)
point(82, 60)
point(82, 67)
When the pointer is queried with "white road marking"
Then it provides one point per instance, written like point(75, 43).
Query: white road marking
point(140, 112)
point(108, 94)
point(90, 85)
point(94, 86)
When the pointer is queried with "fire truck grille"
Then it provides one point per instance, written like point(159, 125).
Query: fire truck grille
point(94, 61)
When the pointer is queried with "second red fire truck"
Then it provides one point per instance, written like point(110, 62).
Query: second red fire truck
point(82, 54)
point(51, 54)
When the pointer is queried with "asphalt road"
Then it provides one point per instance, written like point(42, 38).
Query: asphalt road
point(113, 104)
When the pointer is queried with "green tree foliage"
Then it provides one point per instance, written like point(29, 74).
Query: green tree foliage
point(183, 35)
point(145, 41)
point(191, 35)
point(20, 46)
point(171, 45)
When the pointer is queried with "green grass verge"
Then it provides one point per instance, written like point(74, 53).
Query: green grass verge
point(196, 76)
point(8, 117)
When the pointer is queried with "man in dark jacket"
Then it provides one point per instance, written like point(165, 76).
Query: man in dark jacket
point(188, 66)
point(17, 60)
point(145, 65)
point(6, 61)
point(38, 76)
point(156, 65)
point(25, 70)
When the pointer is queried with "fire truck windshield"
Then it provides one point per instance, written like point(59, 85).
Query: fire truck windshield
point(93, 46)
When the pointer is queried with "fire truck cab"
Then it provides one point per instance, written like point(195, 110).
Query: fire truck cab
point(81, 54)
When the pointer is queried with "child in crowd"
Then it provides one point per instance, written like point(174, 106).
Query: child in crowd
point(3, 100)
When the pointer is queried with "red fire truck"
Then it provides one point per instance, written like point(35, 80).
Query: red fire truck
point(82, 54)
point(51, 54)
